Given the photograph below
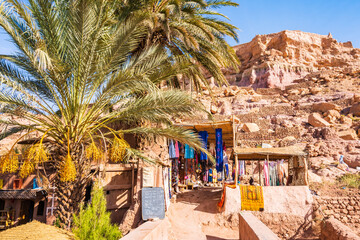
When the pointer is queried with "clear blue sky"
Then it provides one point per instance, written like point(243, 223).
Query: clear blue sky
point(252, 17)
point(340, 17)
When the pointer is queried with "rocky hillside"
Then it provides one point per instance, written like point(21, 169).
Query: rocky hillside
point(295, 88)
point(276, 60)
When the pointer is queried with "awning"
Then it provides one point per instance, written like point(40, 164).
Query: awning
point(273, 153)
point(226, 126)
point(22, 194)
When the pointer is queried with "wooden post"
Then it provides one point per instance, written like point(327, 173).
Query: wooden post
point(236, 169)
point(259, 173)
point(132, 183)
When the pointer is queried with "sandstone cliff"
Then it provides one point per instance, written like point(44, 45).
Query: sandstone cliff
point(276, 60)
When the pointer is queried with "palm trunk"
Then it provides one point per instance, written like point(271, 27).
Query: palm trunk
point(69, 197)
point(71, 194)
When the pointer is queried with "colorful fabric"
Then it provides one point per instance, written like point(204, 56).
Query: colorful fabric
point(172, 153)
point(252, 198)
point(221, 203)
point(189, 152)
point(210, 175)
point(272, 174)
point(204, 138)
point(242, 168)
point(177, 155)
point(219, 150)
point(266, 174)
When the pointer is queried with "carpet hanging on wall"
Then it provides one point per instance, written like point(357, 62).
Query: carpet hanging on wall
point(252, 198)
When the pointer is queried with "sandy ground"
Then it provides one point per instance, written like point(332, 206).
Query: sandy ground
point(194, 215)
point(35, 231)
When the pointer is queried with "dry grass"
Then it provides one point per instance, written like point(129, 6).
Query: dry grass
point(350, 180)
point(35, 231)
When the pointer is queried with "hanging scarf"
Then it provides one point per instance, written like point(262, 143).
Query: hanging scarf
point(219, 150)
point(177, 149)
point(172, 153)
point(266, 173)
point(204, 138)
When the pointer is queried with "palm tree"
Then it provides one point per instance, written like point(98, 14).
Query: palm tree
point(75, 74)
point(190, 28)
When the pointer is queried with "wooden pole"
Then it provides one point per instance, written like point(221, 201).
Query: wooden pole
point(236, 169)
point(259, 173)
point(132, 183)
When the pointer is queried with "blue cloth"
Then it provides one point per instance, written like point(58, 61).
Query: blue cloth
point(35, 185)
point(204, 137)
point(210, 175)
point(189, 152)
point(172, 153)
point(219, 150)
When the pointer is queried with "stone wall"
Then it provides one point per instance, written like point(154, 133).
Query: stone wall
point(344, 209)
point(333, 229)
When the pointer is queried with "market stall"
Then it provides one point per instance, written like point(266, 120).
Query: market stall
point(190, 167)
point(275, 166)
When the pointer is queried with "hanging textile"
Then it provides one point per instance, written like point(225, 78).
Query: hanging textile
point(210, 173)
point(252, 198)
point(204, 138)
point(219, 150)
point(272, 174)
point(241, 168)
point(177, 149)
point(221, 203)
point(172, 153)
point(166, 187)
point(266, 173)
point(189, 152)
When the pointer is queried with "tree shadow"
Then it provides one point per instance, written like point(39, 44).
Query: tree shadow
point(208, 237)
point(205, 198)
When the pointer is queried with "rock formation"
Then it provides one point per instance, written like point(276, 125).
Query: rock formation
point(276, 60)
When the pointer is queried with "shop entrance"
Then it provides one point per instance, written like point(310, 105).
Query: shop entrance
point(26, 211)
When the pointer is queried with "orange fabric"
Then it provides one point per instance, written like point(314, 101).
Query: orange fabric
point(221, 203)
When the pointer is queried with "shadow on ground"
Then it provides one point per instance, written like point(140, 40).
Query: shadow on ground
point(205, 198)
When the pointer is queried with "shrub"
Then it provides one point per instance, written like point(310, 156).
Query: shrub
point(93, 221)
point(350, 180)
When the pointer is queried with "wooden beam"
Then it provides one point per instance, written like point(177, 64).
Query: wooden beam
point(117, 187)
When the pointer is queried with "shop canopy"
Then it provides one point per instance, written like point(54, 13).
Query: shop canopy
point(271, 153)
point(22, 194)
point(226, 126)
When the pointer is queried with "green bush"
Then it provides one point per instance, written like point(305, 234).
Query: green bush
point(350, 180)
point(93, 221)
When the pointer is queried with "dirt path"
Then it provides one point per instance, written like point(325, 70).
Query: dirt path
point(194, 215)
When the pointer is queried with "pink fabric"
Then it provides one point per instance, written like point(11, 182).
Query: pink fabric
point(176, 149)
point(266, 174)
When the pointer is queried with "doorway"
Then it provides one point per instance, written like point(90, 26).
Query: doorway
point(26, 211)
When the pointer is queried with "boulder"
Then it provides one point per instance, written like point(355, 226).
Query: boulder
point(255, 98)
point(250, 127)
point(315, 90)
point(346, 120)
point(348, 134)
point(316, 120)
point(356, 98)
point(213, 109)
point(333, 113)
point(355, 109)
point(324, 107)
